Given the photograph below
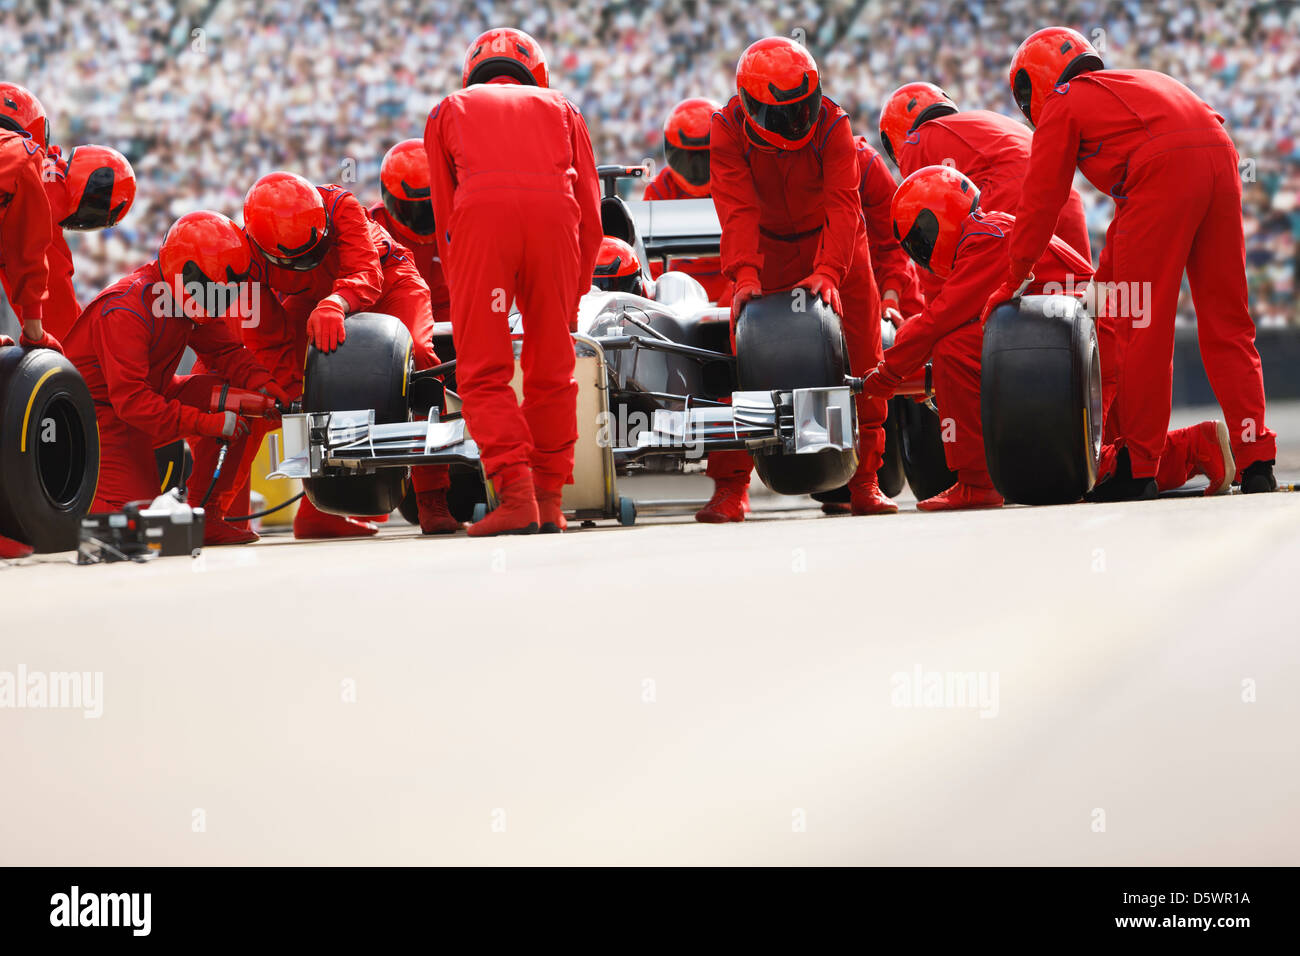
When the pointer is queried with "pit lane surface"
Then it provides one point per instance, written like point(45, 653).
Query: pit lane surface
point(679, 693)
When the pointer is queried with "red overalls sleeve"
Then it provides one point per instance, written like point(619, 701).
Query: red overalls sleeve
point(1053, 157)
point(122, 340)
point(274, 340)
point(442, 182)
point(587, 191)
point(843, 204)
point(25, 233)
point(735, 200)
point(888, 260)
point(360, 281)
point(979, 269)
point(216, 344)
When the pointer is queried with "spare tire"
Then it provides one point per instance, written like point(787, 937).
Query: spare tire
point(779, 347)
point(49, 449)
point(371, 369)
point(1040, 400)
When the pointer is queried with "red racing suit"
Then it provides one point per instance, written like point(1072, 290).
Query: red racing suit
point(1162, 153)
point(61, 307)
point(707, 270)
point(992, 150)
point(517, 203)
point(372, 273)
point(949, 331)
point(788, 213)
point(894, 270)
point(424, 253)
point(25, 226)
point(127, 345)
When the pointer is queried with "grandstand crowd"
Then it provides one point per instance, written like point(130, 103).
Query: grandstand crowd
point(203, 96)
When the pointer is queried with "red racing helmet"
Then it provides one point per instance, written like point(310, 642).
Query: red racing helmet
point(1045, 60)
point(285, 219)
point(205, 248)
point(22, 112)
point(929, 212)
point(780, 91)
point(101, 188)
point(404, 186)
point(686, 144)
point(617, 268)
point(505, 55)
point(907, 108)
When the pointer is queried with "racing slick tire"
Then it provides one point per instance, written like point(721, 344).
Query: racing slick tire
point(371, 369)
point(920, 447)
point(781, 347)
point(1040, 400)
point(49, 449)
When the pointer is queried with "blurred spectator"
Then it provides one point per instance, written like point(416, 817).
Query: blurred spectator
point(206, 95)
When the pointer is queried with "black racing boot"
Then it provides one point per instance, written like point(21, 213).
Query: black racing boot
point(1258, 477)
point(1121, 485)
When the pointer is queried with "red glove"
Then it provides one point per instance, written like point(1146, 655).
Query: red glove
point(746, 288)
point(276, 392)
point(325, 325)
point(46, 341)
point(1007, 291)
point(225, 425)
point(881, 382)
point(5, 341)
point(889, 310)
point(744, 291)
point(823, 286)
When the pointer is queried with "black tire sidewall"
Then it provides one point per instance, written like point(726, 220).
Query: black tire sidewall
point(33, 385)
point(1034, 400)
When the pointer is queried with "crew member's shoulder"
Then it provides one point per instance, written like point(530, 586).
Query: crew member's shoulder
point(132, 293)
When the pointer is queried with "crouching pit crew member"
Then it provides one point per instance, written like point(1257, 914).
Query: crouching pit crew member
point(937, 219)
point(129, 340)
point(321, 258)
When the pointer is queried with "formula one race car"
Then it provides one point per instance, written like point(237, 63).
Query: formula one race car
point(659, 387)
